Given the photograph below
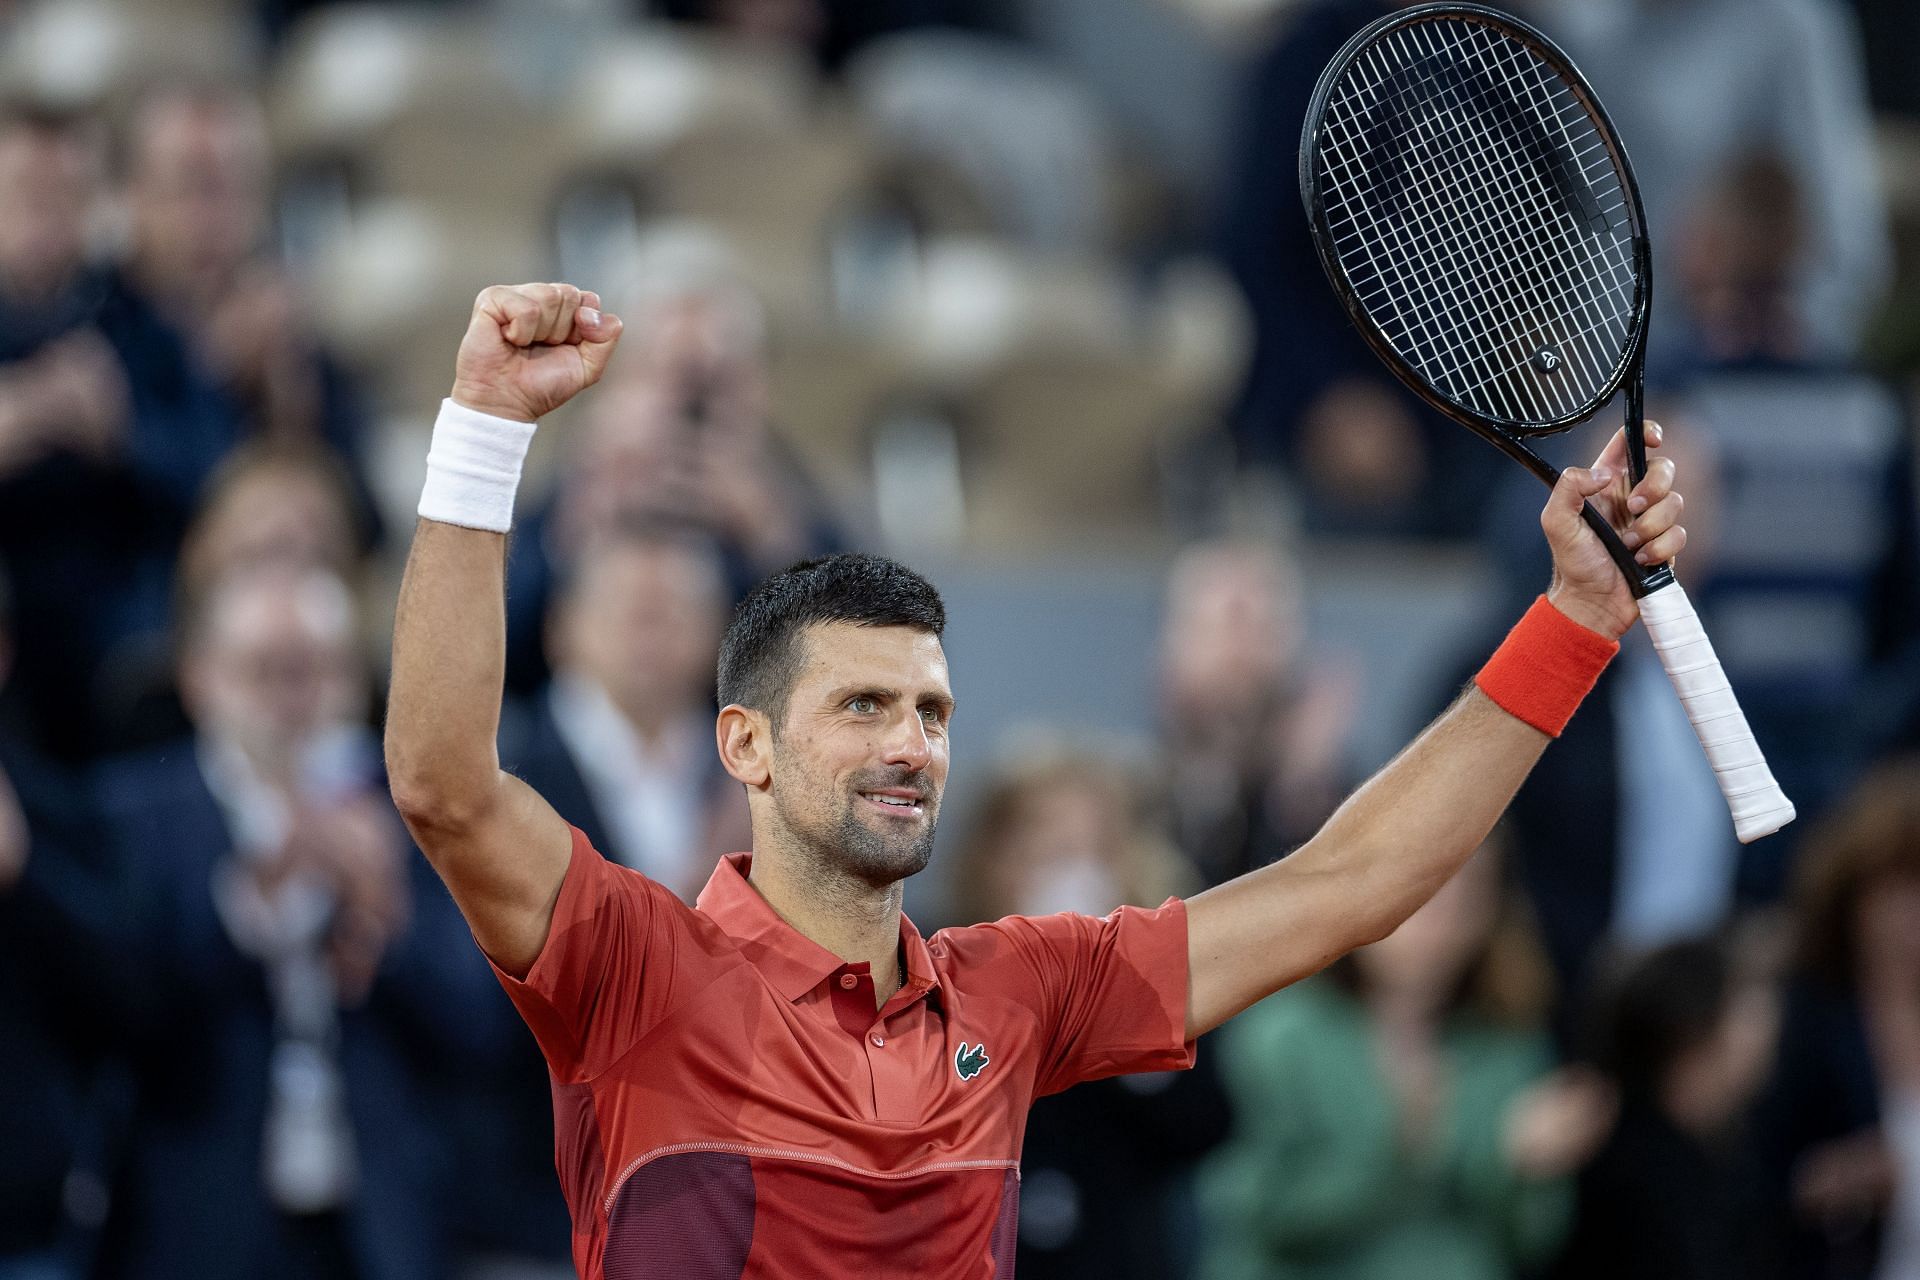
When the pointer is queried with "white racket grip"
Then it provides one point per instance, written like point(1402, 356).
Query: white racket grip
point(1759, 806)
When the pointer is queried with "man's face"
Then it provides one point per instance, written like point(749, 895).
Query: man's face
point(47, 182)
point(276, 665)
point(861, 761)
point(643, 622)
point(1231, 633)
point(199, 187)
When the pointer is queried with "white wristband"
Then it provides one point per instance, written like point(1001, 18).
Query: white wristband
point(473, 468)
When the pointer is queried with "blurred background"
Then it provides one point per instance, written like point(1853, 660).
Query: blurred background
point(1019, 291)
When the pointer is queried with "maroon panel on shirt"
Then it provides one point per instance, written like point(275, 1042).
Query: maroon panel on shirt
point(1006, 1228)
point(816, 1220)
point(689, 1216)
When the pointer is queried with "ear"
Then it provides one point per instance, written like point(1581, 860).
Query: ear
point(745, 738)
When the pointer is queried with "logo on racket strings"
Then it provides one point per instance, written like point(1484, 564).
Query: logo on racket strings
point(1547, 360)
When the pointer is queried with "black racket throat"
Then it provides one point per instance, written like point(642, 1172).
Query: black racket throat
point(1477, 216)
point(1641, 579)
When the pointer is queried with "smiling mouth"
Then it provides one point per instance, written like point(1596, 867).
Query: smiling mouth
point(898, 806)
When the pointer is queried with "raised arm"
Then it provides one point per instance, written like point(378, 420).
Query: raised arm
point(501, 850)
point(1401, 836)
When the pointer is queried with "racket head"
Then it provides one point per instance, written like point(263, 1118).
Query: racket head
point(1478, 218)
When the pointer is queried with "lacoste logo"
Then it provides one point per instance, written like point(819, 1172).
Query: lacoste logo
point(970, 1060)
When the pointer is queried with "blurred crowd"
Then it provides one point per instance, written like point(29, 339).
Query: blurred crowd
point(897, 275)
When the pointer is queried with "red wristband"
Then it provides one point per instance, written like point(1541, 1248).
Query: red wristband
point(1544, 667)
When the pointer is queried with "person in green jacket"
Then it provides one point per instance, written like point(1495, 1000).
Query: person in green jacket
point(1399, 1116)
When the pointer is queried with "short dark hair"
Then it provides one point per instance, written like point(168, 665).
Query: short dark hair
point(1651, 1009)
point(760, 654)
point(643, 532)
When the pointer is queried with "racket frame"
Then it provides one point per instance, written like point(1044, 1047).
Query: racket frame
point(1507, 435)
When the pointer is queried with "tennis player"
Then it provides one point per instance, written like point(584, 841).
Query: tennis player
point(788, 1079)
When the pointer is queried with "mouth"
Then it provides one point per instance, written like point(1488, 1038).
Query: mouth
point(896, 804)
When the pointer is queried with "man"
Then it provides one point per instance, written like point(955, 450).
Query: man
point(302, 986)
point(73, 528)
point(624, 729)
point(1253, 727)
point(788, 1079)
point(1698, 86)
point(213, 332)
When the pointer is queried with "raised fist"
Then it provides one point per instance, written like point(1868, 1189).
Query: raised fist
point(530, 348)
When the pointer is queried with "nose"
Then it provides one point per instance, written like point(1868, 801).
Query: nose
point(906, 743)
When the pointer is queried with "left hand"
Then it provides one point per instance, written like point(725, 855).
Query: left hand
point(1587, 586)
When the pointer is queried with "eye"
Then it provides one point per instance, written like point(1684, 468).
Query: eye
point(930, 714)
point(862, 705)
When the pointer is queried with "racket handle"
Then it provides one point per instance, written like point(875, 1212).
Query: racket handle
point(1759, 806)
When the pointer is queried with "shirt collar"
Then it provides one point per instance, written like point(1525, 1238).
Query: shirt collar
point(794, 963)
point(604, 741)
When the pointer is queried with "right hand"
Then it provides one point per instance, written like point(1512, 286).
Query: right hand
point(530, 348)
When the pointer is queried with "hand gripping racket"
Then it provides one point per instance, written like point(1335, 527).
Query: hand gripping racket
point(1477, 216)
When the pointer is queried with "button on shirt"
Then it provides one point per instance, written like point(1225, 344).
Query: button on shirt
point(728, 1103)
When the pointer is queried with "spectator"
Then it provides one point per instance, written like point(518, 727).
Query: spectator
point(64, 998)
point(1849, 1018)
point(1395, 1117)
point(1814, 607)
point(1684, 1036)
point(622, 739)
point(52, 163)
point(269, 504)
point(1845, 569)
point(308, 975)
point(212, 329)
point(72, 520)
point(1367, 457)
point(1696, 86)
point(1105, 1166)
point(680, 431)
point(1255, 733)
point(1735, 258)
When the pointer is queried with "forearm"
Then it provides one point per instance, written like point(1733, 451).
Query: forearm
point(1383, 853)
point(449, 663)
point(1412, 825)
point(501, 849)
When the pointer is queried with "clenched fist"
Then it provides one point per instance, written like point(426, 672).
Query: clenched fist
point(530, 348)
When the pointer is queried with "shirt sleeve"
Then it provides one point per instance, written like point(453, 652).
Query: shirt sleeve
point(1111, 991)
point(607, 971)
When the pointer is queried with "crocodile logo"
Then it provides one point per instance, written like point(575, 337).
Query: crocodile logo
point(970, 1060)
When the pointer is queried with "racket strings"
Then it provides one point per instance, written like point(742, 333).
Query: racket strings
point(1458, 253)
point(1517, 287)
point(1478, 215)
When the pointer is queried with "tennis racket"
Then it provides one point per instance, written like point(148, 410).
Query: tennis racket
point(1476, 213)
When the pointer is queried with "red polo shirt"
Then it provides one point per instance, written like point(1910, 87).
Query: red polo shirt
point(727, 1103)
